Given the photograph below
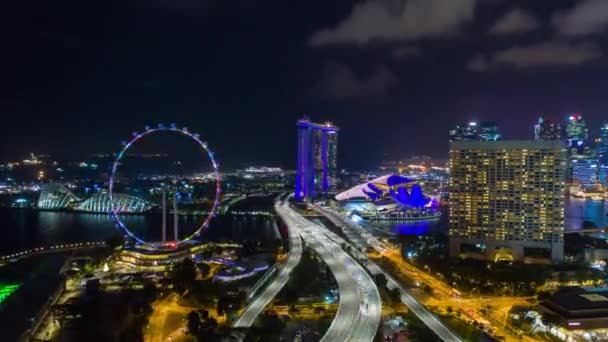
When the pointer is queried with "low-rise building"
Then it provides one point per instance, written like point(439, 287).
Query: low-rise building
point(579, 309)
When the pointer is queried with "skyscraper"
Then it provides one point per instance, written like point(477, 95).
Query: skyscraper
point(507, 197)
point(484, 131)
point(317, 159)
point(488, 131)
point(583, 168)
point(547, 130)
point(602, 155)
point(576, 133)
point(584, 172)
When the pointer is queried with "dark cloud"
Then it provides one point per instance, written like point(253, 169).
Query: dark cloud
point(397, 20)
point(515, 21)
point(339, 82)
point(589, 16)
point(185, 6)
point(478, 63)
point(405, 52)
point(553, 53)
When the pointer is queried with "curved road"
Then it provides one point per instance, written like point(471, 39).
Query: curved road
point(265, 297)
point(362, 239)
point(359, 311)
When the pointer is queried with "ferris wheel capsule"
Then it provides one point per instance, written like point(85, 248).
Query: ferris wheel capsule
point(185, 129)
point(134, 134)
point(147, 128)
point(174, 126)
point(124, 143)
point(196, 135)
point(160, 125)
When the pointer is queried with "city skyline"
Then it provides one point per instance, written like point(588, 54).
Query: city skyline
point(347, 170)
point(217, 65)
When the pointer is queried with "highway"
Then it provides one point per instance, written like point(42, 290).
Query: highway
point(360, 306)
point(358, 315)
point(257, 305)
point(361, 239)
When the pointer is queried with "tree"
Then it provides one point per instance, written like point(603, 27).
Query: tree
point(428, 289)
point(115, 241)
point(395, 295)
point(204, 269)
point(381, 280)
point(149, 290)
point(581, 275)
point(183, 275)
point(193, 323)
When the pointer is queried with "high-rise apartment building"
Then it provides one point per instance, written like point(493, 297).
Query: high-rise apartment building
point(317, 159)
point(484, 131)
point(507, 198)
point(547, 130)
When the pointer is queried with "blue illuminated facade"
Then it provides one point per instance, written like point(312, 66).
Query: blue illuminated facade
point(602, 154)
point(585, 172)
point(317, 159)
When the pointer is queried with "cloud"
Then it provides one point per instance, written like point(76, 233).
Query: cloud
point(397, 20)
point(340, 82)
point(405, 52)
point(478, 63)
point(553, 53)
point(184, 6)
point(516, 21)
point(589, 16)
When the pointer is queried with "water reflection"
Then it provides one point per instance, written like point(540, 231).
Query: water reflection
point(24, 229)
point(579, 210)
point(576, 211)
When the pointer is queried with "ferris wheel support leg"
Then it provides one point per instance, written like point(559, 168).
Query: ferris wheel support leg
point(175, 222)
point(164, 216)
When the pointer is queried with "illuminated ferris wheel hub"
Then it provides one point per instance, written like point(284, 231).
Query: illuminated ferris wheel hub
point(177, 242)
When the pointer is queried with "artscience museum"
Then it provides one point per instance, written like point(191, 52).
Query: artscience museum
point(389, 197)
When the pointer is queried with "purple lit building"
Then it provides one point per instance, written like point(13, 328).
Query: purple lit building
point(317, 159)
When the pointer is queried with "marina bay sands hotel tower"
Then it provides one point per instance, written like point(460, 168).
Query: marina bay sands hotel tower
point(317, 159)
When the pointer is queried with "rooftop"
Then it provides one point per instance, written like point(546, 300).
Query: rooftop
point(326, 126)
point(577, 302)
point(507, 145)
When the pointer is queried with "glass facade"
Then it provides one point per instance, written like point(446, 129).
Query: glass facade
point(507, 195)
point(123, 203)
point(485, 131)
point(602, 155)
point(547, 130)
point(317, 165)
point(576, 133)
point(585, 172)
point(55, 196)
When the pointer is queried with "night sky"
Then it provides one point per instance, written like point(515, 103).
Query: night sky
point(79, 76)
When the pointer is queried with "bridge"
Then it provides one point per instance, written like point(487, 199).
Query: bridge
point(587, 231)
point(234, 213)
point(66, 247)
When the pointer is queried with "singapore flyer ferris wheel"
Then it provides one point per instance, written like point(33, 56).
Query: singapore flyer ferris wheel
point(115, 209)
